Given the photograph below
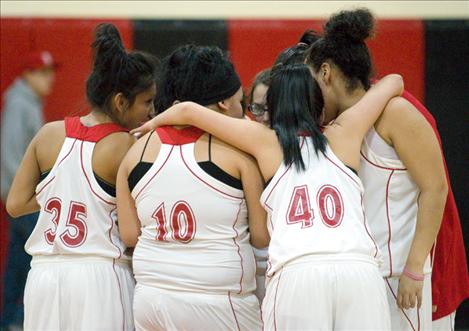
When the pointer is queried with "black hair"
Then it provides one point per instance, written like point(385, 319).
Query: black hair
point(117, 71)
point(344, 44)
point(262, 77)
point(297, 53)
point(202, 74)
point(295, 103)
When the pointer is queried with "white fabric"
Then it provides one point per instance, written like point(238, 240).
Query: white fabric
point(379, 146)
point(157, 309)
point(217, 256)
point(72, 293)
point(391, 208)
point(410, 319)
point(291, 193)
point(446, 323)
point(261, 256)
point(321, 294)
point(71, 192)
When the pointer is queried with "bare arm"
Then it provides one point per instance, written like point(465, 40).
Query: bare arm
point(129, 224)
point(253, 186)
point(248, 136)
point(22, 196)
point(346, 134)
point(417, 146)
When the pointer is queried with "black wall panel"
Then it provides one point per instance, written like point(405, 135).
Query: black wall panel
point(447, 97)
point(160, 37)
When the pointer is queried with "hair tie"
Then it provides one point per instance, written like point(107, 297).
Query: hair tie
point(412, 275)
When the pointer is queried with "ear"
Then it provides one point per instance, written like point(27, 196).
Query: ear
point(324, 73)
point(222, 105)
point(176, 102)
point(120, 102)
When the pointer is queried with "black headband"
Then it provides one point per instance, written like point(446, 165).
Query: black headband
point(221, 91)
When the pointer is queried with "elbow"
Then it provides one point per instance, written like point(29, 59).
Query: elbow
point(129, 241)
point(260, 241)
point(129, 238)
point(13, 207)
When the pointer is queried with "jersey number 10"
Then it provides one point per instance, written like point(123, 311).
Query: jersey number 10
point(329, 202)
point(181, 222)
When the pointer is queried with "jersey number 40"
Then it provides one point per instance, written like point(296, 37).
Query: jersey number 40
point(328, 200)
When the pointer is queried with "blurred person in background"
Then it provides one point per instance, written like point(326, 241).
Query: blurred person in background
point(80, 276)
point(22, 117)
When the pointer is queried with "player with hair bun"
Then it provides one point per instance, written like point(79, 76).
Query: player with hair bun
point(403, 172)
point(80, 277)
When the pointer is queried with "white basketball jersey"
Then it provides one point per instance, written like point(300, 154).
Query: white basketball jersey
point(77, 216)
point(194, 227)
point(317, 211)
point(390, 205)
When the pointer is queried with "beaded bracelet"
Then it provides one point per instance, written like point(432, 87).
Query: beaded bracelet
point(413, 276)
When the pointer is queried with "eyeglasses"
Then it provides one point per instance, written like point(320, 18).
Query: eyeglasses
point(257, 109)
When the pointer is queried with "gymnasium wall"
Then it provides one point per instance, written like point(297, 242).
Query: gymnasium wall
point(431, 55)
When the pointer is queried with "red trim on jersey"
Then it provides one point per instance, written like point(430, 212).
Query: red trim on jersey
point(450, 279)
point(275, 301)
point(156, 173)
point(273, 188)
point(68, 153)
point(389, 223)
point(239, 249)
point(120, 293)
point(109, 232)
point(278, 181)
point(195, 175)
point(378, 166)
point(172, 136)
point(37, 194)
point(366, 227)
point(75, 129)
point(88, 180)
point(418, 317)
point(338, 166)
point(233, 311)
point(395, 297)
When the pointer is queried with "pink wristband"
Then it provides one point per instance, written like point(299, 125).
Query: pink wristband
point(412, 275)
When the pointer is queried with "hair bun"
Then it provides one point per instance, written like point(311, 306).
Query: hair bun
point(350, 25)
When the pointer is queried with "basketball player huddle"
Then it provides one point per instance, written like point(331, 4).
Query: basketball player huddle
point(345, 185)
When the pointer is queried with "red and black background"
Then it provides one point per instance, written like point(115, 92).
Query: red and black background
point(431, 55)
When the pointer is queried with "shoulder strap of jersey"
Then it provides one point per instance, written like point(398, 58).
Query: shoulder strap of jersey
point(172, 136)
point(75, 129)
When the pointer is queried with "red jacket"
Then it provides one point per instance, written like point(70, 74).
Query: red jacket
point(450, 280)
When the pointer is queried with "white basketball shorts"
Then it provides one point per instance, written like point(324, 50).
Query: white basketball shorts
point(78, 293)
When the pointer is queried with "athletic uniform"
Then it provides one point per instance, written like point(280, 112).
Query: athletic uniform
point(80, 278)
point(322, 259)
point(450, 279)
point(193, 262)
point(391, 208)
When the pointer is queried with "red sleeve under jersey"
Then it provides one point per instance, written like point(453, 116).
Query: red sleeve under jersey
point(450, 280)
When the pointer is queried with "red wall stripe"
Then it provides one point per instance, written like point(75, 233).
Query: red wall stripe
point(397, 47)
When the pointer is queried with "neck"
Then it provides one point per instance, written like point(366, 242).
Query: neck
point(96, 117)
point(348, 99)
